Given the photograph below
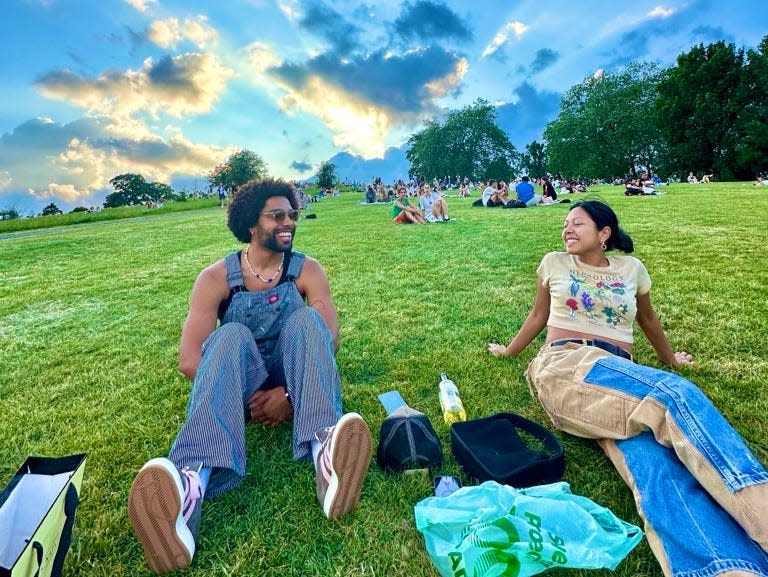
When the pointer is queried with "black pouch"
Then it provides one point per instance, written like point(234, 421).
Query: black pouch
point(508, 449)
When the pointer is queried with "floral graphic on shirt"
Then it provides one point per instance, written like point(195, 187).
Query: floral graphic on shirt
point(600, 302)
point(588, 303)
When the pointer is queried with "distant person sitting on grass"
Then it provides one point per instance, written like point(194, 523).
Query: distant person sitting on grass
point(433, 205)
point(526, 192)
point(635, 188)
point(403, 212)
point(549, 196)
point(702, 493)
point(270, 360)
point(493, 195)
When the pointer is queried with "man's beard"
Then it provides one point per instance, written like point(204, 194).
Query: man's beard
point(271, 243)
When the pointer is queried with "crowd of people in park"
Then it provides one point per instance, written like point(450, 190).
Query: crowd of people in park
point(420, 202)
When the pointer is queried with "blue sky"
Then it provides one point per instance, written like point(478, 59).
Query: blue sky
point(170, 88)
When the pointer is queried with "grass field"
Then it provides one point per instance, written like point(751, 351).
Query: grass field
point(107, 214)
point(90, 319)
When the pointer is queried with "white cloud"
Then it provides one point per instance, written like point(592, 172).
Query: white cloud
point(74, 162)
point(169, 32)
point(186, 84)
point(65, 192)
point(5, 179)
point(290, 8)
point(661, 12)
point(514, 28)
point(442, 86)
point(261, 56)
point(141, 5)
point(356, 124)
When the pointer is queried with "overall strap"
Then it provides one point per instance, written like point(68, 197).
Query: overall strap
point(234, 271)
point(294, 267)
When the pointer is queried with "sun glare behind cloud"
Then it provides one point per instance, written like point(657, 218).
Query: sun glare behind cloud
point(357, 126)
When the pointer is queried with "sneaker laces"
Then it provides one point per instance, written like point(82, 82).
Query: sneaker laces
point(193, 491)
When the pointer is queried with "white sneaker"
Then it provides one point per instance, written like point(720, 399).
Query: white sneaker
point(159, 505)
point(342, 464)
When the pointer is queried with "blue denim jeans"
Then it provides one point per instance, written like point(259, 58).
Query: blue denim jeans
point(701, 492)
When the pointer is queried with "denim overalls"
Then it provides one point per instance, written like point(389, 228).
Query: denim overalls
point(264, 312)
point(266, 338)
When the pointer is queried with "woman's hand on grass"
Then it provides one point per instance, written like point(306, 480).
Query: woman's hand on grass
point(497, 350)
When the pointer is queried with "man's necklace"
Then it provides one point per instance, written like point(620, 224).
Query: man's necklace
point(257, 275)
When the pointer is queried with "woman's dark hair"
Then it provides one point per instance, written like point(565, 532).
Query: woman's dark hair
point(603, 216)
point(249, 200)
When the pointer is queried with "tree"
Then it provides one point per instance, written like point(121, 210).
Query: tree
point(159, 191)
point(129, 188)
point(607, 125)
point(752, 148)
point(51, 209)
point(9, 214)
point(469, 143)
point(326, 175)
point(701, 101)
point(239, 168)
point(534, 159)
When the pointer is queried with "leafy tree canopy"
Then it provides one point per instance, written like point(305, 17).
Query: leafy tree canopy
point(239, 168)
point(752, 152)
point(9, 214)
point(326, 175)
point(51, 209)
point(534, 159)
point(131, 189)
point(469, 143)
point(607, 125)
point(701, 101)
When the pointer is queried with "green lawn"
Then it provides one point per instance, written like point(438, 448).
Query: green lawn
point(90, 319)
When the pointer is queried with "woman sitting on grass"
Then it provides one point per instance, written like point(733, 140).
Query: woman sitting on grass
point(403, 212)
point(701, 492)
point(433, 204)
point(548, 196)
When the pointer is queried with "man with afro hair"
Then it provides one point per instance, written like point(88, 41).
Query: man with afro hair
point(259, 344)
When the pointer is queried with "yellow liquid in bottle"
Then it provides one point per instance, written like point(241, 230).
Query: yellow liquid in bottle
point(450, 403)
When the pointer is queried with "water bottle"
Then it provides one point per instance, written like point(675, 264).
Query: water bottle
point(453, 409)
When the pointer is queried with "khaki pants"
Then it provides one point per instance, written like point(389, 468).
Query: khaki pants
point(683, 461)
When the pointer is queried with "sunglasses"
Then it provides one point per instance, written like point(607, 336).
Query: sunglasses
point(279, 214)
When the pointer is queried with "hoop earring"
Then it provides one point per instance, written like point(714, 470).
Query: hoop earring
point(603, 246)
